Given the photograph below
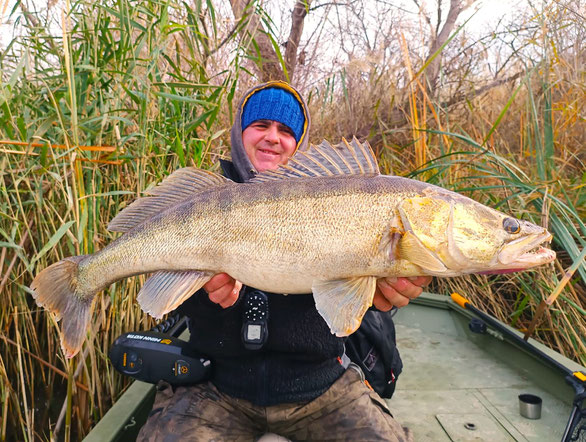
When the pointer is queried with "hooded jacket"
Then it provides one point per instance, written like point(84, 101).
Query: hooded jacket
point(301, 358)
point(242, 165)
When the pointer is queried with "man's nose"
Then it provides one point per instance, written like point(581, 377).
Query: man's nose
point(272, 133)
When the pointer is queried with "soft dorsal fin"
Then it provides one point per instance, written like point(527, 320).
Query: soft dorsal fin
point(353, 158)
point(177, 187)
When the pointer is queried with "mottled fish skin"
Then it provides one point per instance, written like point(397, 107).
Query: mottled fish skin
point(328, 234)
point(260, 233)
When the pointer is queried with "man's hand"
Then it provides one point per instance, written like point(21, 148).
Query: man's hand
point(398, 291)
point(223, 289)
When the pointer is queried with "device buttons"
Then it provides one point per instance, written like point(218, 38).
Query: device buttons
point(131, 362)
point(181, 368)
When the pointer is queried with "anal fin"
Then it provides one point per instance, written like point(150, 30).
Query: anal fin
point(343, 302)
point(165, 291)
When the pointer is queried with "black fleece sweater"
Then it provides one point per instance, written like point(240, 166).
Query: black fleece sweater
point(298, 363)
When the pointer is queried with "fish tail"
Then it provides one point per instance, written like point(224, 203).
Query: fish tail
point(56, 289)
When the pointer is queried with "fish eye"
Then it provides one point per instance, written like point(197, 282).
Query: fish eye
point(511, 225)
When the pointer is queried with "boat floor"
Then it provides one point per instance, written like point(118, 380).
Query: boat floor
point(451, 378)
point(450, 382)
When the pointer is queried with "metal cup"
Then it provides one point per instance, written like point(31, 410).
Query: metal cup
point(530, 406)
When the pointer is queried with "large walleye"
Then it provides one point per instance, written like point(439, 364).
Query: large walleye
point(327, 223)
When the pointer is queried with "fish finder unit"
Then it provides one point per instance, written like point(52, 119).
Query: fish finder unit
point(255, 331)
point(153, 356)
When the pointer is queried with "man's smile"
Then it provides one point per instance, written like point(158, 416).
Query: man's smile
point(268, 151)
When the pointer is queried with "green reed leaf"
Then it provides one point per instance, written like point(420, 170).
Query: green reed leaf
point(53, 241)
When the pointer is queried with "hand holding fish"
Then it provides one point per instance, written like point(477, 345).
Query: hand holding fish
point(222, 289)
point(397, 292)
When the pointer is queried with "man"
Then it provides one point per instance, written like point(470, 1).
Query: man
point(289, 379)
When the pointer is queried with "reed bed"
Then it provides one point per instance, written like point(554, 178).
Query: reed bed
point(134, 90)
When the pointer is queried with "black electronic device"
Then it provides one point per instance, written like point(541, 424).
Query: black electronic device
point(255, 331)
point(477, 325)
point(153, 356)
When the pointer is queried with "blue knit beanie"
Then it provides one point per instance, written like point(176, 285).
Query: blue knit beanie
point(274, 104)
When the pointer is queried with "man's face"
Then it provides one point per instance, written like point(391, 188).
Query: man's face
point(268, 144)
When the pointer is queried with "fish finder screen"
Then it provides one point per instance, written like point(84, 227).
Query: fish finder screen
point(253, 332)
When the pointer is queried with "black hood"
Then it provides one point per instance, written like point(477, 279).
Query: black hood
point(242, 164)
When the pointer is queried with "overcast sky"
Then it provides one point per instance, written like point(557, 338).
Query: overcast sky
point(489, 12)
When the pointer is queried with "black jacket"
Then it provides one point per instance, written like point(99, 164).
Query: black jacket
point(298, 362)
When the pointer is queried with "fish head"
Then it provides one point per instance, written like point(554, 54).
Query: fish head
point(449, 234)
point(522, 247)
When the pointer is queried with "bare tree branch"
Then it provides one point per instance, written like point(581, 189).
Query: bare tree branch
point(260, 46)
point(263, 51)
point(432, 71)
point(459, 98)
point(439, 18)
point(425, 17)
point(297, 18)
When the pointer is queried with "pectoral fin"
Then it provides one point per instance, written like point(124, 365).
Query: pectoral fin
point(413, 250)
point(390, 240)
point(343, 302)
point(165, 291)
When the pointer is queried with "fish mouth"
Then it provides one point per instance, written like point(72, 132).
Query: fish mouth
point(526, 252)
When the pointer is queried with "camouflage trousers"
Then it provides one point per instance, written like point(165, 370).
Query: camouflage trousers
point(347, 411)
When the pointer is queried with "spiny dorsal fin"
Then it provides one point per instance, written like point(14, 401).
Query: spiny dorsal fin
point(177, 187)
point(353, 158)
